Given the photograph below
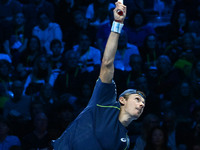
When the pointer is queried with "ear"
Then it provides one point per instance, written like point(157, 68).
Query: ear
point(122, 100)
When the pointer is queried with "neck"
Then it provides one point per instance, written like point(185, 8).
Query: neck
point(125, 118)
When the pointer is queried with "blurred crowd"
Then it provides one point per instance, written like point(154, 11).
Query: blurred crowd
point(50, 57)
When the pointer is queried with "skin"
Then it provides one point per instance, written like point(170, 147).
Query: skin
point(131, 108)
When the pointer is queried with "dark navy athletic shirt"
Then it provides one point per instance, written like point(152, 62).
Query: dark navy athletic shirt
point(97, 127)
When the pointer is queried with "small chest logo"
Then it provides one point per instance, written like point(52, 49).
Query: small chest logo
point(123, 139)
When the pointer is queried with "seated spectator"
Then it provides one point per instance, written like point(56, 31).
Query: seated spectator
point(137, 70)
point(90, 57)
point(157, 139)
point(47, 31)
point(71, 76)
point(34, 7)
point(137, 28)
point(183, 101)
point(18, 107)
point(17, 37)
point(8, 8)
point(33, 50)
point(125, 50)
point(79, 24)
point(39, 138)
point(47, 97)
point(55, 58)
point(148, 123)
point(188, 5)
point(40, 75)
point(178, 26)
point(98, 12)
point(150, 50)
point(168, 77)
point(7, 140)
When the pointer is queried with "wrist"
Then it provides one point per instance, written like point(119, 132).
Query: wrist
point(119, 21)
point(117, 27)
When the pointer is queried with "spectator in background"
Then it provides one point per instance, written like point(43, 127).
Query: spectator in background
point(47, 97)
point(137, 28)
point(47, 31)
point(56, 57)
point(34, 7)
point(79, 24)
point(39, 138)
point(157, 139)
point(71, 76)
point(183, 101)
point(137, 70)
point(18, 107)
point(33, 50)
point(17, 37)
point(168, 77)
point(40, 75)
point(178, 26)
point(90, 57)
point(98, 12)
point(148, 123)
point(188, 5)
point(8, 8)
point(125, 50)
point(150, 50)
point(7, 140)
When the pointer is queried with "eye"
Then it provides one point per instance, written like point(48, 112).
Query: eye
point(137, 99)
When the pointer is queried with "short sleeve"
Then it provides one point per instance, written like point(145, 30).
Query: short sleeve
point(104, 93)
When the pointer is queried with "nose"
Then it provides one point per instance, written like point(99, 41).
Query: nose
point(142, 104)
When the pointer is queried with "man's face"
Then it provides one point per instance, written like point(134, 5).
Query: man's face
point(134, 105)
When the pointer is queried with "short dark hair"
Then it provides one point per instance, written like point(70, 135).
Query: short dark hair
point(128, 92)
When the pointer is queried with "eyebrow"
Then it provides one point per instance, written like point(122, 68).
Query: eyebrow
point(141, 98)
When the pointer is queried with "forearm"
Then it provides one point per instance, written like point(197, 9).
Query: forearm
point(107, 67)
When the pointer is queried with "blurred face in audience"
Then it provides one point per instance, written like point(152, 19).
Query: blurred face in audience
point(44, 21)
point(138, 19)
point(151, 42)
point(136, 62)
point(33, 45)
point(41, 122)
point(19, 19)
point(185, 89)
point(56, 49)
point(72, 59)
point(43, 64)
point(84, 42)
point(182, 19)
point(157, 137)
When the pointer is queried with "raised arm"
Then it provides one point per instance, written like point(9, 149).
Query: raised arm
point(107, 66)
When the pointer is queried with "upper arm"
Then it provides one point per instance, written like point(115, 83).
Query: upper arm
point(106, 73)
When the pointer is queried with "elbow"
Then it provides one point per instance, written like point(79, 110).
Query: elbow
point(107, 63)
